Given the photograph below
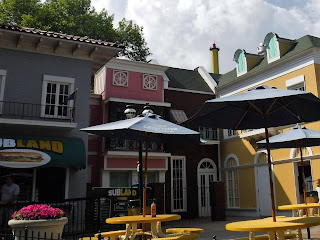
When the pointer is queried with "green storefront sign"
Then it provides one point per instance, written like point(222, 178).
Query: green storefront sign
point(30, 152)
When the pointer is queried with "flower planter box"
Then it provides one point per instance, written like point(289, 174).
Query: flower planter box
point(45, 228)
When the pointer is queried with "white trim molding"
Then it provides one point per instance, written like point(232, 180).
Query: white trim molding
point(134, 66)
point(190, 91)
point(133, 101)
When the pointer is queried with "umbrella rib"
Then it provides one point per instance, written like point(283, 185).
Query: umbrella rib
point(284, 106)
point(247, 110)
point(274, 101)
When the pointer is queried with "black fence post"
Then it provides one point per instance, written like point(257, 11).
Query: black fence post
point(25, 233)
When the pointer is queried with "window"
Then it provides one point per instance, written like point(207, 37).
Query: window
point(208, 133)
point(296, 83)
point(120, 78)
point(273, 49)
point(232, 132)
point(232, 179)
point(241, 63)
point(149, 82)
point(55, 91)
point(299, 87)
point(263, 158)
point(153, 176)
point(179, 184)
point(119, 179)
point(2, 81)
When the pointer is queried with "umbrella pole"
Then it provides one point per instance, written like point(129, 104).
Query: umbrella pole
point(145, 176)
point(140, 177)
point(270, 172)
point(303, 178)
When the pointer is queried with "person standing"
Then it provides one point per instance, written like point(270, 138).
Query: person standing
point(318, 189)
point(9, 195)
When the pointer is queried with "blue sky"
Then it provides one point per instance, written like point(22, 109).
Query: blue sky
point(179, 33)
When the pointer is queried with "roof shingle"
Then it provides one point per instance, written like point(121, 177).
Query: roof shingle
point(59, 35)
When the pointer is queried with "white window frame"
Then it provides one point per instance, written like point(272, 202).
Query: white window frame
point(58, 80)
point(184, 184)
point(227, 135)
point(145, 77)
point(231, 171)
point(126, 73)
point(213, 133)
point(3, 74)
point(296, 83)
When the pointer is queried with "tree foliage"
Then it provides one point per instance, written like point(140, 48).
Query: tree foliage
point(76, 17)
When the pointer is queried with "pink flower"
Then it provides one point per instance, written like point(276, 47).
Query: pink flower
point(37, 211)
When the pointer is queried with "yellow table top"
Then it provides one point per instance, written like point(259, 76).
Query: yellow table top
point(141, 219)
point(299, 206)
point(267, 225)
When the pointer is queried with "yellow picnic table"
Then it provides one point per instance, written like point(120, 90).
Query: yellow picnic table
point(132, 222)
point(280, 226)
point(297, 209)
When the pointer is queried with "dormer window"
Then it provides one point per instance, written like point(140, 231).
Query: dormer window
point(241, 62)
point(273, 49)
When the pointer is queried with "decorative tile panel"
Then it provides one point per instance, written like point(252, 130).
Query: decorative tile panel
point(149, 82)
point(120, 78)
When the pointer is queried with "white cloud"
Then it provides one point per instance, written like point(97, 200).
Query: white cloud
point(179, 33)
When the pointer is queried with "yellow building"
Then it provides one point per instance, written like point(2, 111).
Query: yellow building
point(284, 64)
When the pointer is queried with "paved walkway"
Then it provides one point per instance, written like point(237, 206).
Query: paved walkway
point(217, 228)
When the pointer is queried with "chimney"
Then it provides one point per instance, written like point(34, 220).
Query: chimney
point(215, 58)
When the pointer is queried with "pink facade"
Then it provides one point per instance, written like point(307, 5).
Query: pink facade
point(126, 163)
point(134, 88)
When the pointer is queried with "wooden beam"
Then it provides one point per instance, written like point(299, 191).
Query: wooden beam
point(19, 42)
point(59, 44)
point(75, 50)
point(93, 51)
point(39, 44)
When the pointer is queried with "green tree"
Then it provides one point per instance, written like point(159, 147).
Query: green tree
point(76, 17)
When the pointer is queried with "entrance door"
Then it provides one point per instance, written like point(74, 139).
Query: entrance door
point(263, 186)
point(207, 173)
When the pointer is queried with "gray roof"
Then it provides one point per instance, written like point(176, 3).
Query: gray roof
point(301, 45)
point(59, 35)
point(186, 79)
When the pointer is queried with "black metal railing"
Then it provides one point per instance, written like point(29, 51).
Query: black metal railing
point(86, 216)
point(131, 145)
point(32, 111)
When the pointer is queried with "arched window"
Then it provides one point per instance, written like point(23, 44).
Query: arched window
point(273, 51)
point(241, 66)
point(305, 152)
point(232, 179)
point(240, 59)
point(263, 158)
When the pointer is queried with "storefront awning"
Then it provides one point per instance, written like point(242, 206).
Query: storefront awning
point(31, 152)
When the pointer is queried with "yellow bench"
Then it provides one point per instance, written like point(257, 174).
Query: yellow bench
point(185, 236)
point(184, 230)
point(266, 237)
point(112, 235)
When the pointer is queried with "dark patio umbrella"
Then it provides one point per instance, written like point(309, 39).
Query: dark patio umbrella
point(296, 137)
point(145, 128)
point(261, 107)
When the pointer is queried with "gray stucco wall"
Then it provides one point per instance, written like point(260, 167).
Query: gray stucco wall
point(23, 83)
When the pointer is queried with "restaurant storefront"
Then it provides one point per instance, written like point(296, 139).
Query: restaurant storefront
point(41, 166)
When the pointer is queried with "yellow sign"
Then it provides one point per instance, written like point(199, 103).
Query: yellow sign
point(51, 146)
